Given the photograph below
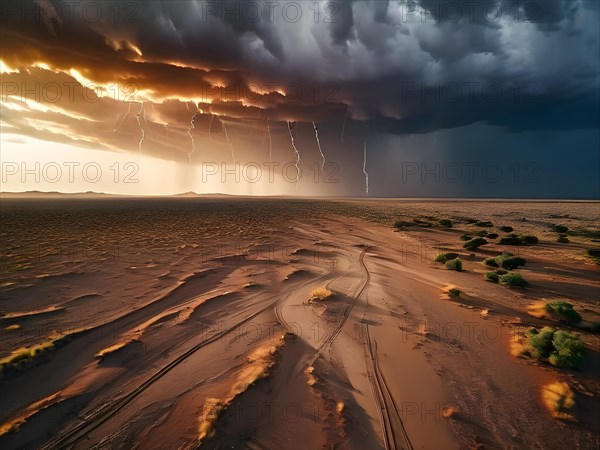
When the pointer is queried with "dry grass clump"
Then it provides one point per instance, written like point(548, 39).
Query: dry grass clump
point(449, 292)
point(560, 399)
point(449, 411)
point(112, 349)
point(258, 364)
point(311, 378)
point(15, 423)
point(25, 357)
point(320, 294)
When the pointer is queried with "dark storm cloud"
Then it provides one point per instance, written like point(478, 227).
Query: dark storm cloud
point(517, 64)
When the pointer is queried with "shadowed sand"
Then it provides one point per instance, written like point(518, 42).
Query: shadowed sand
point(172, 300)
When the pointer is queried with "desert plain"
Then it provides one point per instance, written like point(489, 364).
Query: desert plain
point(279, 323)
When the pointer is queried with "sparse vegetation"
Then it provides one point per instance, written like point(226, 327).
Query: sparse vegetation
point(454, 292)
point(446, 223)
point(485, 224)
point(510, 240)
point(563, 239)
point(491, 262)
point(559, 347)
point(454, 264)
point(513, 279)
point(559, 228)
point(492, 236)
point(501, 271)
point(481, 233)
point(25, 357)
point(475, 243)
point(465, 237)
point(443, 257)
point(491, 276)
point(563, 310)
point(403, 224)
point(529, 240)
point(506, 229)
point(509, 262)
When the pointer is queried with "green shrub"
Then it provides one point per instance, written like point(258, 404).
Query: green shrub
point(511, 262)
point(559, 228)
point(491, 276)
point(402, 224)
point(481, 233)
point(506, 229)
point(446, 223)
point(485, 224)
point(491, 262)
point(540, 342)
point(454, 264)
point(510, 240)
point(501, 272)
point(569, 350)
point(453, 292)
point(563, 310)
point(529, 240)
point(563, 240)
point(513, 279)
point(474, 243)
point(465, 237)
point(443, 257)
point(492, 236)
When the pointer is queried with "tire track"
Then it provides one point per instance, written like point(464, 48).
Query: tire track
point(394, 433)
point(102, 415)
point(346, 313)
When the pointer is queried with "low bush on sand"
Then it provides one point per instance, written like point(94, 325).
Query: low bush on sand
point(562, 240)
point(563, 310)
point(559, 347)
point(446, 223)
point(510, 240)
point(559, 228)
point(506, 229)
point(513, 279)
point(491, 276)
point(529, 240)
point(491, 262)
point(454, 292)
point(485, 224)
point(492, 236)
point(475, 243)
point(443, 257)
point(454, 264)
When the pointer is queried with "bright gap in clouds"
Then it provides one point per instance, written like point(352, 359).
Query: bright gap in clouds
point(30, 164)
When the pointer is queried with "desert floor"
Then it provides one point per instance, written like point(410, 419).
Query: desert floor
point(188, 322)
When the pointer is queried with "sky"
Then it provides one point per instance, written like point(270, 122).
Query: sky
point(423, 98)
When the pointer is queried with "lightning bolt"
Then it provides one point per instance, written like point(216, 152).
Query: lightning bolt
point(270, 141)
point(116, 129)
point(297, 153)
point(192, 127)
point(229, 141)
point(320, 150)
point(365, 170)
point(344, 124)
point(143, 134)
